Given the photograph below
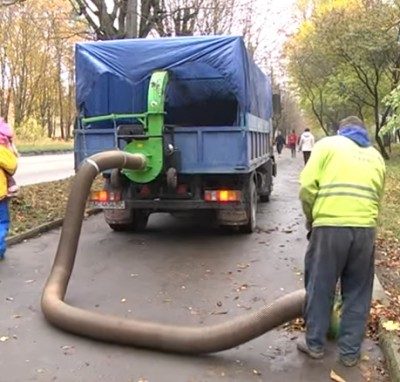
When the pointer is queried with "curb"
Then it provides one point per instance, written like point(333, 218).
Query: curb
point(389, 341)
point(30, 234)
point(390, 345)
point(45, 152)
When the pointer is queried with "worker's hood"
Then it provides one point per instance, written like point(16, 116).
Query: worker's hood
point(357, 134)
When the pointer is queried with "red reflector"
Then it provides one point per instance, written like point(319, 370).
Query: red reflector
point(182, 189)
point(145, 190)
point(222, 196)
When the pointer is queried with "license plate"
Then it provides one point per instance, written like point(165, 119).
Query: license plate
point(109, 205)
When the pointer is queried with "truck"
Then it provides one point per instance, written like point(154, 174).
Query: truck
point(198, 108)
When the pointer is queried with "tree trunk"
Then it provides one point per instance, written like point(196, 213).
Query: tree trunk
point(131, 19)
point(50, 128)
point(382, 148)
point(60, 95)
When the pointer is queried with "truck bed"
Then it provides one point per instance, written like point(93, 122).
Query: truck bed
point(204, 150)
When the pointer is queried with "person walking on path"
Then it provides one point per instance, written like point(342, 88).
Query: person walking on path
point(341, 189)
point(280, 142)
point(292, 140)
point(8, 165)
point(306, 144)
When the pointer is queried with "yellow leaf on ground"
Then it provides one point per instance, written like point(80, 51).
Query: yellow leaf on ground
point(336, 378)
point(391, 325)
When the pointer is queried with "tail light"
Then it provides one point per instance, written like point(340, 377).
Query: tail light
point(104, 196)
point(222, 196)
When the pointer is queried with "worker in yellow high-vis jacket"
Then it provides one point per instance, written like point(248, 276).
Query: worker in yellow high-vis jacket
point(341, 189)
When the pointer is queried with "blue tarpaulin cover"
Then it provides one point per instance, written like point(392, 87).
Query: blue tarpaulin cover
point(113, 76)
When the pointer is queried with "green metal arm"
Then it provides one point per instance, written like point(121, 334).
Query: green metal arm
point(114, 117)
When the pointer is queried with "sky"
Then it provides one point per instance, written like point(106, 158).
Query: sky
point(279, 21)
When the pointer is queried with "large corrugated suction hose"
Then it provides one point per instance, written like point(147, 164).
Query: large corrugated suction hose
point(179, 339)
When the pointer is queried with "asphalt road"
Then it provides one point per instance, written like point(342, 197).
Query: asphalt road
point(181, 272)
point(44, 168)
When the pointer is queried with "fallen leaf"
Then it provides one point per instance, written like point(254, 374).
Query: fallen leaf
point(391, 325)
point(16, 316)
point(123, 299)
point(29, 281)
point(242, 288)
point(365, 358)
point(335, 377)
point(256, 372)
point(4, 338)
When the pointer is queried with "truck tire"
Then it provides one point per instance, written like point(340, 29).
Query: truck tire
point(251, 209)
point(138, 223)
point(139, 220)
point(265, 182)
point(119, 227)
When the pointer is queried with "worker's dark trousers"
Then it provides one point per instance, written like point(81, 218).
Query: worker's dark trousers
point(334, 253)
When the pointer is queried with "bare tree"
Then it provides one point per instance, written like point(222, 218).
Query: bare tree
point(138, 18)
point(120, 20)
point(131, 25)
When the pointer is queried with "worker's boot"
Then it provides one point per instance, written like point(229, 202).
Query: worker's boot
point(303, 347)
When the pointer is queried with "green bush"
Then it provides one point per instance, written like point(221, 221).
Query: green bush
point(30, 131)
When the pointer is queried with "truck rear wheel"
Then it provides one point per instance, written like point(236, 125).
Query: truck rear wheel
point(264, 198)
point(139, 220)
point(119, 227)
point(137, 224)
point(251, 209)
point(265, 182)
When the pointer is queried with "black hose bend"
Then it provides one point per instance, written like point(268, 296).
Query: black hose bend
point(157, 336)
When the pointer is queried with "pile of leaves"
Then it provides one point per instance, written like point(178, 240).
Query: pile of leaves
point(382, 316)
point(41, 203)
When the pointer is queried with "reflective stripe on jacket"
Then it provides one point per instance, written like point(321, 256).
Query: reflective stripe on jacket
point(342, 184)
